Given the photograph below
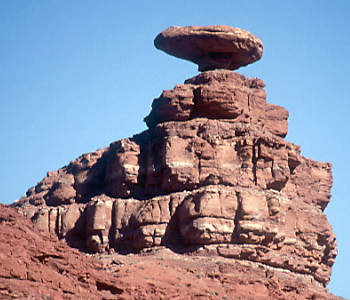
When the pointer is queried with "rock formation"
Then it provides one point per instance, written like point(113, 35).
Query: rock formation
point(212, 175)
point(211, 47)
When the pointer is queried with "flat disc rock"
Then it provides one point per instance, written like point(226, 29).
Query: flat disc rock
point(211, 47)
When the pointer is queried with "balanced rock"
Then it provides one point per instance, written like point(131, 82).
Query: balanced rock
point(211, 47)
point(212, 175)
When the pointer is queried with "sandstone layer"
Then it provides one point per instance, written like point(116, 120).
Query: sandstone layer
point(35, 265)
point(212, 170)
point(211, 47)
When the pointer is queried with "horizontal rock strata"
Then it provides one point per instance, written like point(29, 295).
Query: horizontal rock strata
point(212, 172)
point(34, 265)
point(220, 94)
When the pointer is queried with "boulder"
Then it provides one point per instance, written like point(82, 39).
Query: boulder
point(211, 47)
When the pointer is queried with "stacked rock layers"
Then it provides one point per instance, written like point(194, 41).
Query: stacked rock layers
point(212, 174)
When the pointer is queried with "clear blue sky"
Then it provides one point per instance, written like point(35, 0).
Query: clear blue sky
point(77, 75)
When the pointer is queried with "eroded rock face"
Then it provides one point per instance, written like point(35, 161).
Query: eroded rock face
point(35, 265)
point(220, 94)
point(211, 47)
point(212, 174)
point(202, 182)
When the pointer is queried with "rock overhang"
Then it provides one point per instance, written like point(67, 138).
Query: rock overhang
point(211, 47)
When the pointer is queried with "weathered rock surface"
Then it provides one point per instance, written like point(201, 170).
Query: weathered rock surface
point(35, 265)
point(220, 94)
point(211, 47)
point(230, 182)
point(211, 176)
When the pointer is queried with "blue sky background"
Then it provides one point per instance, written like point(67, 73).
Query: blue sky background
point(77, 75)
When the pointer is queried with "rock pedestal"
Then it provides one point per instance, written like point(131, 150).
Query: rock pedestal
point(212, 175)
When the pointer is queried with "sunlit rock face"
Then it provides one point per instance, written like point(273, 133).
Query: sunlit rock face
point(212, 175)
